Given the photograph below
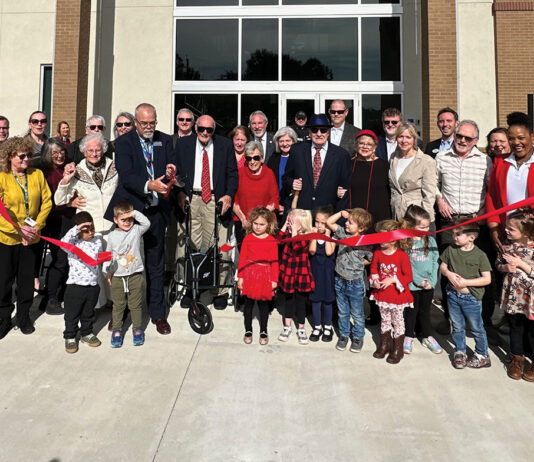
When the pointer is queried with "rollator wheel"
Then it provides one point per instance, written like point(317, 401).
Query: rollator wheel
point(200, 318)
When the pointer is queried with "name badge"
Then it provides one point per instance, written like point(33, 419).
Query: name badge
point(158, 143)
point(30, 222)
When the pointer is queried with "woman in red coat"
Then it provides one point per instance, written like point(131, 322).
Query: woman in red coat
point(257, 187)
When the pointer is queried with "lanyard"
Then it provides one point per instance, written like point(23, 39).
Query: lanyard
point(148, 151)
point(24, 192)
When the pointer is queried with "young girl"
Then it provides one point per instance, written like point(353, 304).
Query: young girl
point(517, 298)
point(424, 258)
point(391, 273)
point(322, 265)
point(257, 271)
point(296, 279)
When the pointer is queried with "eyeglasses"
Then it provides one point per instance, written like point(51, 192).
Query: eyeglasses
point(39, 121)
point(185, 119)
point(24, 156)
point(339, 111)
point(123, 124)
point(4, 128)
point(93, 151)
point(255, 158)
point(144, 124)
point(58, 153)
point(391, 122)
point(208, 130)
point(319, 129)
point(94, 127)
point(459, 136)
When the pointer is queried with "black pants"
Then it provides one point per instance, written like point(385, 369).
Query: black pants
point(521, 329)
point(17, 262)
point(419, 314)
point(154, 241)
point(295, 305)
point(263, 307)
point(80, 302)
point(58, 269)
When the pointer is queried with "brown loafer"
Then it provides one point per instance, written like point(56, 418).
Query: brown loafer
point(162, 326)
point(247, 338)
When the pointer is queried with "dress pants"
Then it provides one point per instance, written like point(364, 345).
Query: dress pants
point(154, 241)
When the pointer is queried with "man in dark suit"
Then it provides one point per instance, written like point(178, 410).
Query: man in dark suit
point(316, 169)
point(185, 120)
point(94, 124)
point(258, 126)
point(447, 122)
point(342, 133)
point(208, 166)
point(391, 118)
point(144, 159)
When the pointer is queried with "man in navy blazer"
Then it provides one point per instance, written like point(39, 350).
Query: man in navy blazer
point(213, 154)
point(333, 171)
point(143, 158)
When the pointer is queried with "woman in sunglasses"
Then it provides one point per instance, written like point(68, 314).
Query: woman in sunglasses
point(27, 198)
point(124, 122)
point(37, 124)
point(257, 187)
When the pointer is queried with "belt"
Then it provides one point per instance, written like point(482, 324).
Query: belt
point(197, 193)
point(463, 215)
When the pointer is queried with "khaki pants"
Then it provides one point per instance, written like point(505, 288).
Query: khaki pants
point(202, 229)
point(133, 297)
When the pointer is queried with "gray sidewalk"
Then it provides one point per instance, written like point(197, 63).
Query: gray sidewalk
point(186, 397)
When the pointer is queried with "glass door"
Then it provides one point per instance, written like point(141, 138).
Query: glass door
point(291, 103)
point(352, 103)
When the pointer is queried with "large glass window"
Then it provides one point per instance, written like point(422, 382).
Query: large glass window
point(381, 49)
point(207, 2)
point(223, 108)
point(46, 93)
point(259, 49)
point(372, 107)
point(266, 103)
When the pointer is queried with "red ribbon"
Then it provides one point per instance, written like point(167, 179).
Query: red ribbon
point(102, 257)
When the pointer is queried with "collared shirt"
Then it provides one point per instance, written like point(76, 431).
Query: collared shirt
point(446, 145)
point(197, 181)
point(263, 141)
point(516, 179)
point(324, 148)
point(336, 134)
point(463, 183)
point(391, 146)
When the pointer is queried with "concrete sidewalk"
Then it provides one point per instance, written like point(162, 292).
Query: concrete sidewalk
point(186, 397)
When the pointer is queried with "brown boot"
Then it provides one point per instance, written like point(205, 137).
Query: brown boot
point(397, 352)
point(383, 348)
point(515, 368)
point(529, 373)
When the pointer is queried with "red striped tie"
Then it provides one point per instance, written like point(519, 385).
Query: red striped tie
point(205, 179)
point(316, 166)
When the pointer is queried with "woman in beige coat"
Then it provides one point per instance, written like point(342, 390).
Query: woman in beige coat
point(412, 174)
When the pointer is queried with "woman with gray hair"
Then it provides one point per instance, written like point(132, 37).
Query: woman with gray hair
point(124, 122)
point(257, 187)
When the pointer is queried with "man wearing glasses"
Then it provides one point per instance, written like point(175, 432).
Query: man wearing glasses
point(145, 163)
point(391, 118)
point(184, 121)
point(342, 133)
point(316, 168)
point(209, 169)
point(4, 128)
point(94, 124)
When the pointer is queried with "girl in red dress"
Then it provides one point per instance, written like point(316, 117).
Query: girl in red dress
point(391, 273)
point(257, 271)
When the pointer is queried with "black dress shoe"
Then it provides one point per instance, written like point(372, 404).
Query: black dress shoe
point(220, 302)
point(26, 327)
point(162, 326)
point(54, 308)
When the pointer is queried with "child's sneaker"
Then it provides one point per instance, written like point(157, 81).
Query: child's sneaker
point(432, 344)
point(342, 343)
point(407, 345)
point(479, 361)
point(356, 345)
point(459, 360)
point(116, 339)
point(301, 335)
point(138, 337)
point(71, 346)
point(91, 340)
point(284, 335)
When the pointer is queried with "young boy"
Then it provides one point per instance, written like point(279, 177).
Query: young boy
point(125, 271)
point(81, 293)
point(350, 277)
point(468, 270)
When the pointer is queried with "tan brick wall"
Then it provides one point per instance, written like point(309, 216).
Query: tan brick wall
point(514, 56)
point(71, 59)
point(438, 31)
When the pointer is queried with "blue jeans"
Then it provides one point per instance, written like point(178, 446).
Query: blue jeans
point(349, 296)
point(462, 307)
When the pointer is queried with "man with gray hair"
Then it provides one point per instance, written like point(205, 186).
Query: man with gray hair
point(258, 126)
point(94, 124)
point(185, 119)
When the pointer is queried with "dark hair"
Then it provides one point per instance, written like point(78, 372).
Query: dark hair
point(520, 119)
point(60, 124)
point(324, 209)
point(413, 212)
point(448, 109)
point(4, 118)
point(82, 217)
point(239, 128)
point(502, 130)
point(526, 221)
point(391, 112)
point(33, 113)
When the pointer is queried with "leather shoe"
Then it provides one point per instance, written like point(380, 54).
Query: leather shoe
point(220, 302)
point(162, 326)
point(26, 327)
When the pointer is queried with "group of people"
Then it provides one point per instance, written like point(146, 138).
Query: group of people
point(128, 197)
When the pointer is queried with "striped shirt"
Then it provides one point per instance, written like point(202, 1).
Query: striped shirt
point(463, 183)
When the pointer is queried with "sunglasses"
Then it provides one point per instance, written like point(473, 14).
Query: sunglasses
point(94, 127)
point(119, 125)
point(458, 136)
point(208, 130)
point(339, 111)
point(319, 129)
point(25, 156)
point(38, 121)
point(255, 158)
point(391, 122)
point(184, 119)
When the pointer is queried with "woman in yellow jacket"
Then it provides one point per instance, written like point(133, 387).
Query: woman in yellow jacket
point(27, 198)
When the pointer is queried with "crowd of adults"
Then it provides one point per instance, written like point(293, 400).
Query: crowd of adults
point(321, 160)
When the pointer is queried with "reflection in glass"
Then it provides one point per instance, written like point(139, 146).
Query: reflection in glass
point(259, 2)
point(372, 107)
point(349, 104)
point(203, 56)
point(381, 49)
point(223, 108)
point(320, 49)
point(317, 2)
point(266, 103)
point(295, 105)
point(259, 58)
point(374, 2)
point(207, 2)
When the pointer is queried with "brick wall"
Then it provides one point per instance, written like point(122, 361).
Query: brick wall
point(514, 54)
point(71, 58)
point(438, 32)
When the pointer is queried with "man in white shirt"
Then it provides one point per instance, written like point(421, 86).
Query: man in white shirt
point(342, 133)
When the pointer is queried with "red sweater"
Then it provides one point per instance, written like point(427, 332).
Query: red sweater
point(256, 190)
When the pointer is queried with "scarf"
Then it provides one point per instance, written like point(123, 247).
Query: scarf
point(97, 171)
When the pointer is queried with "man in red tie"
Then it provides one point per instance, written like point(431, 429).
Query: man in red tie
point(209, 169)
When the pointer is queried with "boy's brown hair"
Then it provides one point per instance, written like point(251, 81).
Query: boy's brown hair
point(361, 217)
point(472, 229)
point(122, 207)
